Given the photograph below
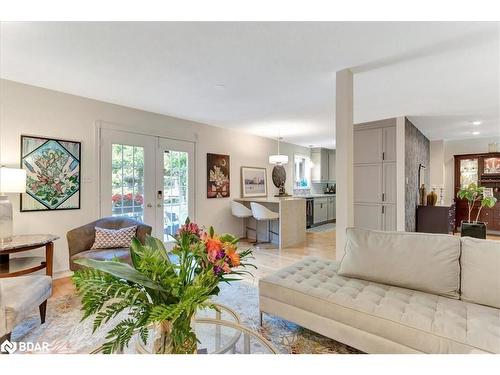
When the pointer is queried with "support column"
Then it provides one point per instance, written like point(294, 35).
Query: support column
point(344, 156)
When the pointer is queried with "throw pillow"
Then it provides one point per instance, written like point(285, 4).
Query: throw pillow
point(113, 238)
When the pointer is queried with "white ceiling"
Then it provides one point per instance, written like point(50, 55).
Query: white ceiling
point(266, 78)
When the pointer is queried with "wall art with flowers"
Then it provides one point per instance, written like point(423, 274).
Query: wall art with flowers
point(53, 173)
point(218, 183)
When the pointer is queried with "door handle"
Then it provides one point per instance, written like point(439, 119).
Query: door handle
point(149, 205)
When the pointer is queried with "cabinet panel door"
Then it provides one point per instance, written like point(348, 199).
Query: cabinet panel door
point(389, 144)
point(368, 216)
point(316, 166)
point(367, 183)
point(331, 165)
point(389, 183)
point(367, 146)
point(389, 217)
point(324, 164)
point(320, 212)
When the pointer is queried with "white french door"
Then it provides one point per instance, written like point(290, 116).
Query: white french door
point(147, 178)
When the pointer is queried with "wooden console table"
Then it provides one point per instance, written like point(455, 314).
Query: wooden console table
point(10, 267)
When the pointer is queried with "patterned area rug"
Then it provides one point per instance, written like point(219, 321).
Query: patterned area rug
point(66, 334)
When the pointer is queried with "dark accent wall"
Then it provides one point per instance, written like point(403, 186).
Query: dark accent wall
point(417, 151)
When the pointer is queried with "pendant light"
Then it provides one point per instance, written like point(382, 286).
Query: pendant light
point(278, 159)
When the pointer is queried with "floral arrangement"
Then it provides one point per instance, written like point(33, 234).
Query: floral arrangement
point(127, 199)
point(158, 293)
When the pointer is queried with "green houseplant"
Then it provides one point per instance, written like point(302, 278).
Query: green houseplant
point(475, 194)
point(156, 293)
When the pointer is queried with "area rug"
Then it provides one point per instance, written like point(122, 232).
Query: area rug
point(66, 334)
point(330, 227)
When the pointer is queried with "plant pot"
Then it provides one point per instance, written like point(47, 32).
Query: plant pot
point(476, 230)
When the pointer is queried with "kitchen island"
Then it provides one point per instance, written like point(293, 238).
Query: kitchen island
point(292, 220)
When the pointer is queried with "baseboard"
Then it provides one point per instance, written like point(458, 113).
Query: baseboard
point(62, 274)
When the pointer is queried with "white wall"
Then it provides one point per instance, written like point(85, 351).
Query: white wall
point(35, 111)
point(436, 164)
point(443, 159)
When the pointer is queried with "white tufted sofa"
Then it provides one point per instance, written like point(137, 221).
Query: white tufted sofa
point(377, 317)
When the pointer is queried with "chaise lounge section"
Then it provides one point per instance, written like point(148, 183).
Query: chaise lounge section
point(396, 293)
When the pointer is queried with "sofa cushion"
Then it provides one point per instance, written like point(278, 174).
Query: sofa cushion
point(122, 254)
point(480, 276)
point(421, 321)
point(21, 295)
point(420, 261)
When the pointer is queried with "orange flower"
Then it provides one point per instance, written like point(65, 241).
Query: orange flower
point(214, 246)
point(225, 268)
point(232, 255)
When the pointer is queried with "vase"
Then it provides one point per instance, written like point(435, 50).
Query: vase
point(422, 196)
point(432, 198)
point(476, 230)
point(162, 338)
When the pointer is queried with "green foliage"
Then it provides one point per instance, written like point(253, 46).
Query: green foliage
point(473, 193)
point(154, 289)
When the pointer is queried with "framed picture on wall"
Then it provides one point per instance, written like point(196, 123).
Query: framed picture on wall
point(53, 173)
point(218, 182)
point(253, 182)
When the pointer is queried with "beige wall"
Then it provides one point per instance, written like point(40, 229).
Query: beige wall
point(35, 111)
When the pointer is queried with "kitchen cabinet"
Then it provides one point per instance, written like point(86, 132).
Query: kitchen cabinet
point(323, 165)
point(320, 210)
point(374, 175)
point(331, 209)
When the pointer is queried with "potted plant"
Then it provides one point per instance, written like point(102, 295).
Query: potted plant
point(473, 193)
point(159, 295)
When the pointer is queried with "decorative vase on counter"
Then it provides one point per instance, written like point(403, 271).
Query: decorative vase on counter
point(422, 196)
point(432, 198)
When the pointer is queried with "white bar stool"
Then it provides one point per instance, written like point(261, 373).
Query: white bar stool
point(262, 213)
point(242, 212)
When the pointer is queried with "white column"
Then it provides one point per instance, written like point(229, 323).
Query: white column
point(344, 156)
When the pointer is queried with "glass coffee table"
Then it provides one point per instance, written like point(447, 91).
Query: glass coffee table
point(218, 332)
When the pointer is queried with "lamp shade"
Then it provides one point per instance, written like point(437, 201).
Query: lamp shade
point(278, 159)
point(12, 180)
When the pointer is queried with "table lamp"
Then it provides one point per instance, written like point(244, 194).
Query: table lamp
point(12, 180)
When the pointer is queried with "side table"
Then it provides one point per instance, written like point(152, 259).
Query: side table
point(10, 267)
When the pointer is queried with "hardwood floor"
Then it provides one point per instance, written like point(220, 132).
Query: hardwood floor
point(267, 259)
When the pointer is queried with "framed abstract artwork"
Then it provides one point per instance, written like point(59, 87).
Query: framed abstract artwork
point(218, 182)
point(253, 182)
point(53, 173)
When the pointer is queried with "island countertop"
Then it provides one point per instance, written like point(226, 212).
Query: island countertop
point(268, 199)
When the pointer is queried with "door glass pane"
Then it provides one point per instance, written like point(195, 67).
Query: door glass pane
point(468, 172)
point(175, 192)
point(128, 181)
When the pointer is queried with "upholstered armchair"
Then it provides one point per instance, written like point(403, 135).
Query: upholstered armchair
point(81, 239)
point(19, 296)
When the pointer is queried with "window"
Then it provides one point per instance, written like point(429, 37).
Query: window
point(302, 172)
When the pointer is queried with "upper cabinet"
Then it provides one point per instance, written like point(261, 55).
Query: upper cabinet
point(368, 146)
point(389, 144)
point(323, 165)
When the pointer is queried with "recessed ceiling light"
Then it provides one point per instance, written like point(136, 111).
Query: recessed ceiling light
point(476, 122)
point(475, 133)
point(220, 86)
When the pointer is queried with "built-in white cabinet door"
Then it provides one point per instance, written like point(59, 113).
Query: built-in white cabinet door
point(367, 183)
point(368, 146)
point(389, 144)
point(331, 165)
point(368, 216)
point(320, 211)
point(389, 217)
point(389, 185)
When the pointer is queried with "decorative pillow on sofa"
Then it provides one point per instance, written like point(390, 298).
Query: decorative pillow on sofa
point(480, 271)
point(420, 261)
point(113, 238)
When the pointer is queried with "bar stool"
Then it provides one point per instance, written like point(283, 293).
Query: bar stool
point(261, 213)
point(242, 212)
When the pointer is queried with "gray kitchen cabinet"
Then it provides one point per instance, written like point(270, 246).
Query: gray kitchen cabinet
point(331, 165)
point(320, 210)
point(323, 165)
point(331, 209)
point(374, 175)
